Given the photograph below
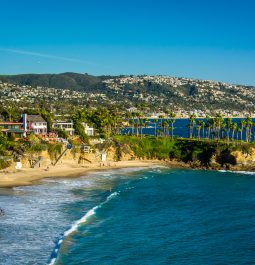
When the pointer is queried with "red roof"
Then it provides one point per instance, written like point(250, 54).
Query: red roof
point(11, 123)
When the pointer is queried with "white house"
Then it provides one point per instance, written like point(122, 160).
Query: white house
point(34, 123)
point(64, 125)
point(87, 129)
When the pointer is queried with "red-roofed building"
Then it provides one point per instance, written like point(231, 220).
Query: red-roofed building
point(15, 128)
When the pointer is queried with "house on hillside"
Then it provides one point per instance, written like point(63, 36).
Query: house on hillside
point(12, 128)
point(34, 123)
point(87, 129)
point(64, 125)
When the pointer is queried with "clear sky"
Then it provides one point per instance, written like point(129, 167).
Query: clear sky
point(207, 39)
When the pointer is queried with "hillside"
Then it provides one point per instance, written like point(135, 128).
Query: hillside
point(72, 81)
point(156, 92)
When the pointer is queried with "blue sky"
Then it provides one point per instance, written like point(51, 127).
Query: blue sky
point(201, 39)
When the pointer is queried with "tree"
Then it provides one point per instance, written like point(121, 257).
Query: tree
point(62, 133)
point(48, 116)
point(80, 131)
point(172, 118)
point(248, 127)
point(223, 129)
point(165, 127)
point(161, 117)
point(132, 123)
point(242, 124)
point(133, 115)
point(234, 129)
point(200, 125)
point(218, 121)
point(239, 130)
point(229, 126)
point(192, 122)
point(155, 121)
point(208, 129)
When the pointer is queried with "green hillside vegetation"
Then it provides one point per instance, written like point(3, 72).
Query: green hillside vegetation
point(72, 81)
point(195, 152)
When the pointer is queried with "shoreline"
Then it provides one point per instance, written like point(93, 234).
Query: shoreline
point(70, 169)
point(29, 176)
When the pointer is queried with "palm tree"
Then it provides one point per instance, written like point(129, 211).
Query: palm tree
point(254, 133)
point(138, 116)
point(203, 128)
point(143, 123)
point(248, 125)
point(136, 126)
point(165, 127)
point(213, 122)
point(192, 122)
point(218, 123)
point(223, 129)
point(208, 129)
point(234, 128)
point(172, 120)
point(229, 125)
point(200, 125)
point(133, 115)
point(208, 126)
point(239, 130)
point(242, 124)
point(161, 117)
point(155, 121)
point(132, 123)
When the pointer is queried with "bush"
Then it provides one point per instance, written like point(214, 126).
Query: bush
point(37, 148)
point(80, 130)
point(4, 163)
point(62, 133)
point(54, 151)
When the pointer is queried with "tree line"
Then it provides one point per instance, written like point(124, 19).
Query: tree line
point(110, 121)
point(214, 128)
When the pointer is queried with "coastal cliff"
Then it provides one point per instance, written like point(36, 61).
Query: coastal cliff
point(180, 152)
point(193, 153)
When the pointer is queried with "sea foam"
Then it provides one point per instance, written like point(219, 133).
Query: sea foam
point(238, 172)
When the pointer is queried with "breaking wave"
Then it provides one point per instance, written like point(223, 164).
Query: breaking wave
point(238, 172)
point(75, 226)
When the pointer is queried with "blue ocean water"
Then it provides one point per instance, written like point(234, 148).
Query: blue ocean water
point(181, 129)
point(130, 216)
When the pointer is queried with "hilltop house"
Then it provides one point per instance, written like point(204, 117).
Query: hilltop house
point(64, 125)
point(87, 129)
point(12, 128)
point(34, 123)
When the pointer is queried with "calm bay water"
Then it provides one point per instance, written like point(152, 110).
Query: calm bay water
point(180, 128)
point(131, 216)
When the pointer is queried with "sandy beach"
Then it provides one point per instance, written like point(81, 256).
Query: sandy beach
point(27, 176)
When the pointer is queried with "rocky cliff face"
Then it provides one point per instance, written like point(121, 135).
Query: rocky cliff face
point(235, 160)
point(244, 158)
point(79, 158)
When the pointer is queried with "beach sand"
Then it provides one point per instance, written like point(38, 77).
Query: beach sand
point(27, 176)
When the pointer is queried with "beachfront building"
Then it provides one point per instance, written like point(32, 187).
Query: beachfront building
point(88, 129)
point(34, 123)
point(65, 126)
point(12, 128)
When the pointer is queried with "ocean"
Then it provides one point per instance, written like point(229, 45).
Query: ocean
point(144, 216)
point(181, 129)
